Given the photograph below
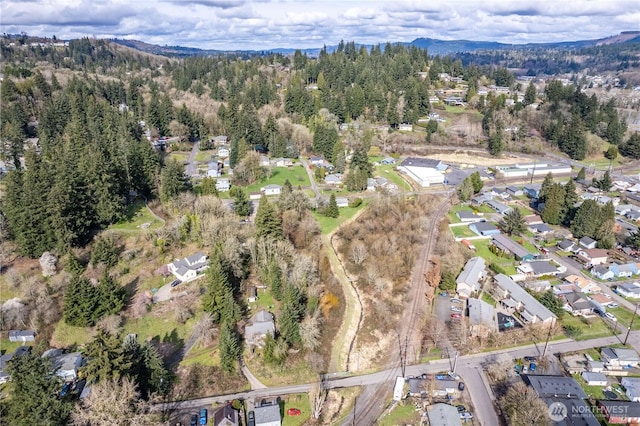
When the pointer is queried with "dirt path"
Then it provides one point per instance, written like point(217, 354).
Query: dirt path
point(343, 342)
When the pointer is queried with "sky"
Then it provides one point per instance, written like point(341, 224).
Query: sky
point(265, 24)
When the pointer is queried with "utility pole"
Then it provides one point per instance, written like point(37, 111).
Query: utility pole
point(631, 323)
point(546, 343)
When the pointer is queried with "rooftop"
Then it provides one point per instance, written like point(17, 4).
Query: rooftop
point(473, 270)
point(519, 294)
point(555, 386)
point(420, 162)
point(503, 242)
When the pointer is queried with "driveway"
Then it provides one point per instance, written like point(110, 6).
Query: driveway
point(312, 179)
point(191, 169)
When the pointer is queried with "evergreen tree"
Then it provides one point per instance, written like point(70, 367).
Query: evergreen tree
point(582, 174)
point(476, 181)
point(229, 347)
point(241, 203)
point(552, 302)
point(105, 251)
point(218, 286)
point(106, 358)
point(530, 94)
point(605, 183)
point(268, 222)
point(208, 186)
point(111, 297)
point(587, 219)
point(172, 180)
point(611, 153)
point(360, 160)
point(291, 314)
point(465, 190)
point(632, 147)
point(324, 139)
point(570, 200)
point(332, 209)
point(514, 223)
point(147, 368)
point(553, 212)
point(495, 144)
point(34, 396)
point(633, 240)
point(545, 188)
point(80, 302)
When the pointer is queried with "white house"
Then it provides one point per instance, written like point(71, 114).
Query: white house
point(618, 358)
point(593, 257)
point(187, 269)
point(594, 379)
point(223, 185)
point(271, 189)
point(631, 290)
point(259, 326)
point(223, 152)
point(283, 162)
point(22, 335)
point(405, 127)
point(333, 179)
point(632, 387)
point(342, 201)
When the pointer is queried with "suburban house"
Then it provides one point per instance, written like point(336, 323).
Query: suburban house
point(507, 245)
point(66, 366)
point(633, 215)
point(601, 300)
point(623, 209)
point(533, 219)
point(482, 318)
point(443, 388)
point(594, 379)
point(220, 140)
point(223, 185)
point(564, 289)
point(187, 269)
point(371, 184)
point(566, 245)
point(514, 191)
point(619, 358)
point(537, 286)
point(588, 243)
point(532, 190)
point(540, 228)
point(213, 170)
point(259, 325)
point(516, 298)
point(255, 195)
point(624, 271)
point(632, 387)
point(22, 335)
point(333, 179)
point(538, 269)
point(468, 280)
point(583, 284)
point(593, 257)
point(552, 386)
point(578, 304)
point(342, 201)
point(268, 414)
point(631, 290)
point(388, 160)
point(620, 412)
point(223, 152)
point(602, 272)
point(316, 161)
point(424, 171)
point(417, 386)
point(499, 207)
point(484, 229)
point(282, 162)
point(226, 416)
point(443, 415)
point(264, 161)
point(271, 189)
point(468, 216)
point(595, 366)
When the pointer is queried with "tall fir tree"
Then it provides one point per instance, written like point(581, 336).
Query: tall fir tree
point(268, 222)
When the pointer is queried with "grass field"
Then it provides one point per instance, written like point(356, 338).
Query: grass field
point(7, 346)
point(482, 250)
point(328, 224)
point(203, 356)
point(66, 335)
point(402, 414)
point(181, 157)
point(301, 402)
point(486, 297)
point(204, 156)
point(136, 214)
point(462, 232)
point(592, 329)
point(165, 329)
point(624, 317)
point(386, 171)
point(297, 175)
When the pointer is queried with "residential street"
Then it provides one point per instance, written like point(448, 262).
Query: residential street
point(312, 179)
point(191, 169)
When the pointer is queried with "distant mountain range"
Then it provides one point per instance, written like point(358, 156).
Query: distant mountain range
point(434, 46)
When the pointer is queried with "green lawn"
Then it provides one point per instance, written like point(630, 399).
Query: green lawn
point(593, 328)
point(7, 292)
point(402, 414)
point(204, 156)
point(462, 232)
point(624, 317)
point(386, 171)
point(7, 346)
point(181, 157)
point(455, 109)
point(66, 335)
point(328, 224)
point(597, 391)
point(136, 214)
point(486, 297)
point(451, 215)
point(203, 356)
point(482, 250)
point(297, 175)
point(165, 329)
point(301, 402)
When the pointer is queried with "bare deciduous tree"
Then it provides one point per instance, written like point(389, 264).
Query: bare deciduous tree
point(310, 331)
point(111, 324)
point(317, 397)
point(524, 406)
point(205, 329)
point(358, 252)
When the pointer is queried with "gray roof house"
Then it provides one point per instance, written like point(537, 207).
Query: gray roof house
point(66, 365)
point(268, 415)
point(506, 244)
point(554, 386)
point(443, 415)
point(226, 416)
point(501, 208)
point(333, 179)
point(531, 311)
point(577, 303)
point(187, 269)
point(566, 245)
point(540, 228)
point(482, 318)
point(467, 281)
point(260, 324)
point(594, 379)
point(484, 228)
point(4, 361)
point(538, 268)
point(632, 387)
point(588, 243)
point(22, 335)
point(616, 358)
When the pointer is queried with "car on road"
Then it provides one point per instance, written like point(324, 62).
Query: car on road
point(203, 416)
point(612, 305)
point(530, 358)
point(461, 386)
point(293, 412)
point(610, 316)
point(456, 315)
point(194, 420)
point(532, 367)
point(466, 415)
point(175, 283)
point(454, 300)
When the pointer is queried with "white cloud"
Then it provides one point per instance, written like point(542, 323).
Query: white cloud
point(260, 24)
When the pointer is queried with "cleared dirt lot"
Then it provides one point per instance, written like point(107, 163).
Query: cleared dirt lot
point(477, 160)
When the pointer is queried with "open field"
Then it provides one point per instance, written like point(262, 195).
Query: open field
point(463, 158)
point(136, 215)
point(301, 402)
point(462, 232)
point(590, 329)
point(328, 224)
point(295, 174)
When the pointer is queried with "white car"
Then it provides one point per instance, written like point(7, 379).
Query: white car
point(456, 309)
point(612, 305)
point(610, 316)
point(454, 300)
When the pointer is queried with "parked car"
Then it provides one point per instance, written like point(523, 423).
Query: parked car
point(461, 408)
point(466, 415)
point(194, 420)
point(175, 283)
point(203, 416)
point(293, 412)
point(251, 419)
point(610, 316)
point(455, 315)
point(461, 386)
point(530, 358)
point(532, 367)
point(613, 305)
point(525, 369)
point(65, 389)
point(456, 309)
point(454, 300)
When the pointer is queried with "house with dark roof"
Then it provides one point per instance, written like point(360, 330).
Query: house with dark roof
point(423, 162)
point(22, 335)
point(539, 268)
point(187, 269)
point(226, 416)
point(4, 361)
point(484, 229)
point(468, 280)
point(602, 272)
point(532, 190)
point(588, 243)
point(554, 386)
point(66, 366)
point(631, 290)
point(259, 326)
point(566, 245)
point(507, 245)
point(482, 318)
point(499, 207)
point(540, 228)
point(577, 303)
point(514, 191)
point(443, 415)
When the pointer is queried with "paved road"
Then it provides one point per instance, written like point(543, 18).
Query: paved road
point(469, 365)
point(312, 179)
point(191, 169)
